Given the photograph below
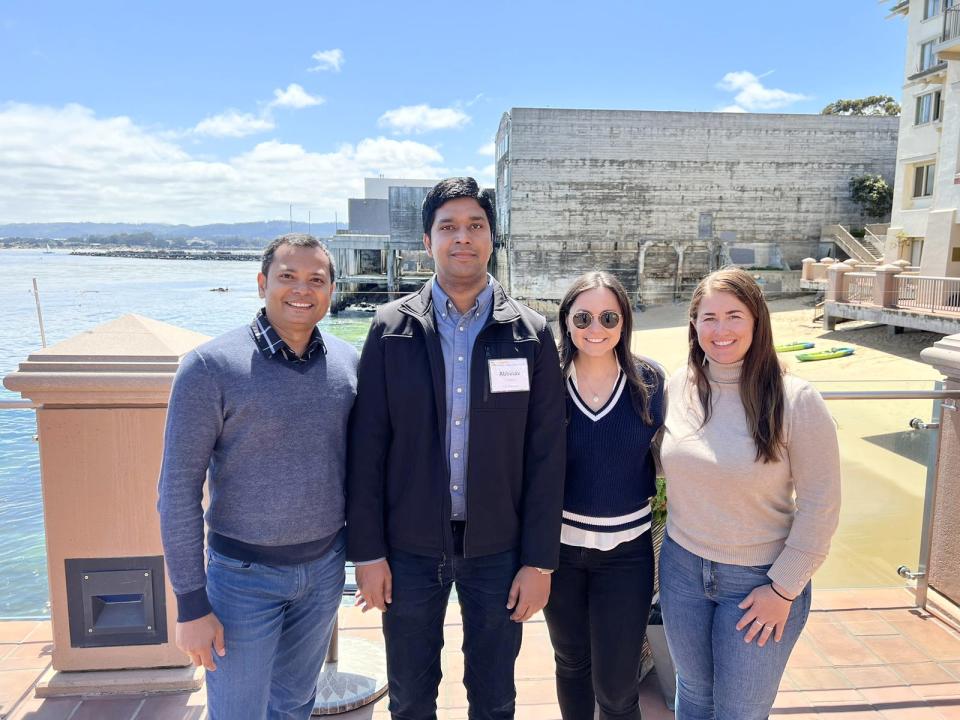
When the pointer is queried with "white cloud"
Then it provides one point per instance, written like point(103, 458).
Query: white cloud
point(294, 97)
point(423, 118)
point(233, 124)
point(487, 150)
point(327, 60)
point(731, 109)
point(65, 163)
point(753, 96)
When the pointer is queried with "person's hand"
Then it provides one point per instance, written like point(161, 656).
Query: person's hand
point(528, 593)
point(766, 615)
point(374, 586)
point(197, 638)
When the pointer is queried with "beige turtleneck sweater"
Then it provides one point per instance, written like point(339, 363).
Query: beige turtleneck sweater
point(725, 506)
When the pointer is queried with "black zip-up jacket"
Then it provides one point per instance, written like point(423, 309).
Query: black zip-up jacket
point(398, 494)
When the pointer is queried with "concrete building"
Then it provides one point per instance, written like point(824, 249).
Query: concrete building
point(380, 253)
point(924, 226)
point(379, 187)
point(661, 198)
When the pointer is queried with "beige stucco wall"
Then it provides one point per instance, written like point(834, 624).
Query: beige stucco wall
point(932, 218)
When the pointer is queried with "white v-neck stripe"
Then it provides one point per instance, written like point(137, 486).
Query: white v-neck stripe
point(607, 406)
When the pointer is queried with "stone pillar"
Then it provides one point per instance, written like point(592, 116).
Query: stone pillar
point(807, 272)
point(836, 291)
point(837, 282)
point(103, 397)
point(391, 269)
point(943, 570)
point(885, 286)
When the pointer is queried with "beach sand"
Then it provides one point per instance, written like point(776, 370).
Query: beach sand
point(884, 461)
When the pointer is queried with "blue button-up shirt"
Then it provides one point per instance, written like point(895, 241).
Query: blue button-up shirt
point(458, 332)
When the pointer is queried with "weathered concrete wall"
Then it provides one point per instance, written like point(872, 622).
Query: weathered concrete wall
point(631, 191)
point(406, 224)
point(369, 216)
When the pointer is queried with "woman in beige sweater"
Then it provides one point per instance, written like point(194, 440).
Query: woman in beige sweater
point(753, 483)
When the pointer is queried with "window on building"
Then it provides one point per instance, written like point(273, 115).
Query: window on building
point(928, 108)
point(930, 8)
point(923, 180)
point(705, 228)
point(927, 57)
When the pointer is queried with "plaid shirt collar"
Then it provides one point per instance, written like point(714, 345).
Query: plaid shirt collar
point(272, 345)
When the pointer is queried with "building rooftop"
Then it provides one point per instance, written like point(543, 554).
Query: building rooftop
point(866, 654)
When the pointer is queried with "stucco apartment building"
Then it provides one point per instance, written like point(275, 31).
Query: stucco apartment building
point(661, 198)
point(924, 225)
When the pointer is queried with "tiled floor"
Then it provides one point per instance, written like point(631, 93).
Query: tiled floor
point(865, 655)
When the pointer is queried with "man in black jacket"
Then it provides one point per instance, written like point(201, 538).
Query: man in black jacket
point(456, 465)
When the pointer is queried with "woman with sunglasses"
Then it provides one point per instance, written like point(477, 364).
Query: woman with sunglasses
point(601, 592)
point(752, 466)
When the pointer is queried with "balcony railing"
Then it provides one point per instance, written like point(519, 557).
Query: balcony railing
point(860, 287)
point(933, 294)
point(951, 24)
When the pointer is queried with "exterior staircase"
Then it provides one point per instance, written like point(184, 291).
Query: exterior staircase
point(875, 237)
point(852, 246)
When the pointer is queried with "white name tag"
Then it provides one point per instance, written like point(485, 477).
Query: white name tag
point(509, 375)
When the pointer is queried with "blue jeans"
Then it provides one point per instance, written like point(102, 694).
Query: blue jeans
point(719, 676)
point(413, 631)
point(277, 622)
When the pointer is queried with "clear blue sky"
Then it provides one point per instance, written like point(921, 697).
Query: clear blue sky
point(226, 111)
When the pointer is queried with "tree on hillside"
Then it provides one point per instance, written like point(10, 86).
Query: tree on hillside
point(873, 194)
point(873, 105)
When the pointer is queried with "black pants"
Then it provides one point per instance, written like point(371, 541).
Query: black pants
point(597, 616)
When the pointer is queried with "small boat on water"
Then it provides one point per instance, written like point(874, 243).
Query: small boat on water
point(793, 346)
point(828, 354)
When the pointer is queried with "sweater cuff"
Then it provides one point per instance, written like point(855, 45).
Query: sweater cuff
point(193, 605)
point(793, 569)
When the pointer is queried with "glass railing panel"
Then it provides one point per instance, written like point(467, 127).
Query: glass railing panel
point(884, 465)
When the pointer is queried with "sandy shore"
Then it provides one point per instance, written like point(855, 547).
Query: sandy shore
point(884, 461)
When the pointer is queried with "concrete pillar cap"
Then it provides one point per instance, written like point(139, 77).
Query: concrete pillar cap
point(807, 261)
point(851, 261)
point(828, 260)
point(131, 359)
point(839, 268)
point(944, 355)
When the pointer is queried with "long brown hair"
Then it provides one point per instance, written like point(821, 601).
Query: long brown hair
point(633, 367)
point(761, 377)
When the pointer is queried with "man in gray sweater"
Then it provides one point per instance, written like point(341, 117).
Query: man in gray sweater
point(260, 413)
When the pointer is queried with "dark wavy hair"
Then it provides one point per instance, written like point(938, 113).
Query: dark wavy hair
point(634, 368)
point(761, 377)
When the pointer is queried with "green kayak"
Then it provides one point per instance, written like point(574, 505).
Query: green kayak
point(793, 346)
point(828, 354)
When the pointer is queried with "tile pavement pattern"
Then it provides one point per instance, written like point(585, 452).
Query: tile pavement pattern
point(865, 655)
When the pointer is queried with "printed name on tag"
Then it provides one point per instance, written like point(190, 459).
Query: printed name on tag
point(509, 375)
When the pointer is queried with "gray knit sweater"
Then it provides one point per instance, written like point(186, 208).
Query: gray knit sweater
point(274, 438)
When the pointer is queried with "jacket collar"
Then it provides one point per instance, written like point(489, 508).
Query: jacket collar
point(421, 303)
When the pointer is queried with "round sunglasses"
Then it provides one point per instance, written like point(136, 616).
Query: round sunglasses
point(583, 319)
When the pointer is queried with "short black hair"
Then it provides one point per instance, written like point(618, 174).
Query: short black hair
point(296, 240)
point(452, 189)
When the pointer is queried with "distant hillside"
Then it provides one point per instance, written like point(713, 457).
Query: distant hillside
point(250, 231)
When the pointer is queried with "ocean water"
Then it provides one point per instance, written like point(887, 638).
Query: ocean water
point(76, 294)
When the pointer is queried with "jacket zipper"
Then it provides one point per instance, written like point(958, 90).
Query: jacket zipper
point(486, 375)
